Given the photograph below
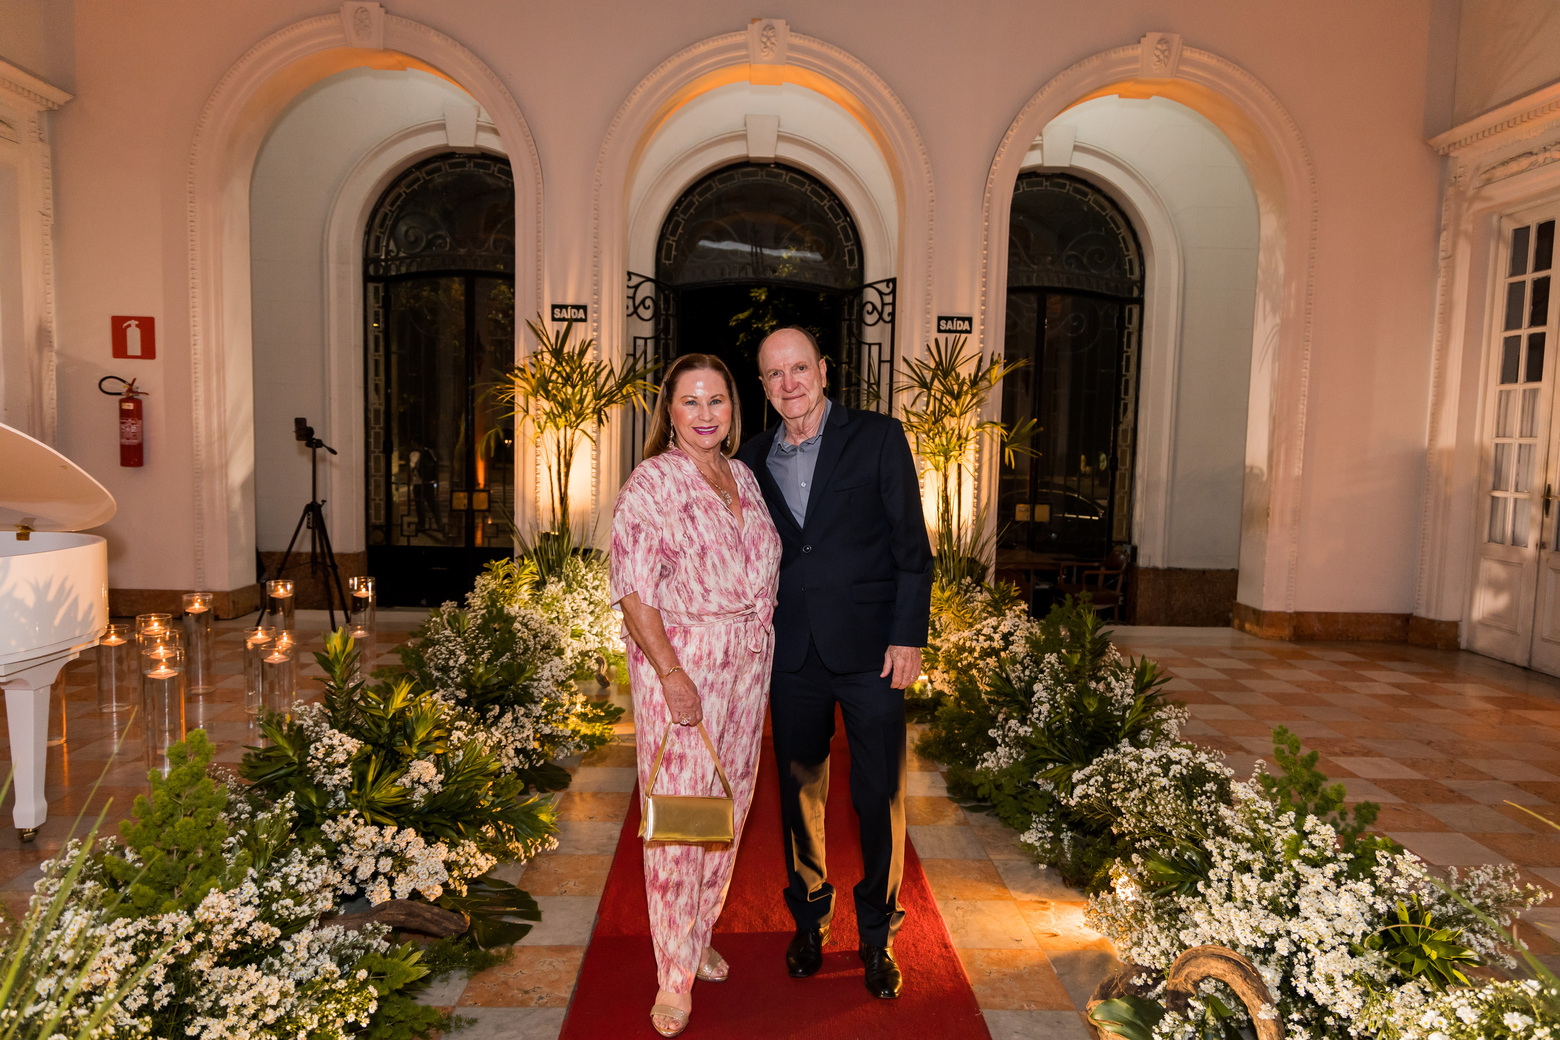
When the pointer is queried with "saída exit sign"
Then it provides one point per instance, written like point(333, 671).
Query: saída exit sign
point(955, 324)
point(569, 312)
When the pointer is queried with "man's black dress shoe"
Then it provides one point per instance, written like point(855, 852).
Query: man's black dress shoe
point(804, 956)
point(883, 978)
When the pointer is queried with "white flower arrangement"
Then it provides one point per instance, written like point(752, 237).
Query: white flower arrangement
point(246, 963)
point(1523, 1009)
point(397, 862)
point(1283, 896)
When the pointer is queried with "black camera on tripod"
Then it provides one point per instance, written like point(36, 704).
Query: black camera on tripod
point(322, 558)
point(303, 432)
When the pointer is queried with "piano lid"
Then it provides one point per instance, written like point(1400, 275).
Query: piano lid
point(44, 491)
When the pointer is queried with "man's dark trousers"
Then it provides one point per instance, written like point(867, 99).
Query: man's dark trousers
point(855, 579)
point(801, 708)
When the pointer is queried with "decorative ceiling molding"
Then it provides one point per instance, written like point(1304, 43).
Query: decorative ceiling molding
point(1541, 107)
point(363, 25)
point(27, 91)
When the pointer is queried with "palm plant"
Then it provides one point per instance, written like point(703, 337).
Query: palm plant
point(566, 394)
point(946, 392)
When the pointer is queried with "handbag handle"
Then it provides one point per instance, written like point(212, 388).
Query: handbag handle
point(655, 770)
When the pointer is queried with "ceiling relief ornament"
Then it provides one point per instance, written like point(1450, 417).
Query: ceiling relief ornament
point(363, 24)
point(1520, 164)
point(769, 42)
point(1161, 55)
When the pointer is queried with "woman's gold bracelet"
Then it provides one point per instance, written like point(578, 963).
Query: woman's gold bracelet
point(669, 671)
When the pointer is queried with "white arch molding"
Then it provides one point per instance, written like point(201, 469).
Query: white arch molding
point(1284, 182)
point(734, 58)
point(1159, 350)
point(227, 140)
point(354, 204)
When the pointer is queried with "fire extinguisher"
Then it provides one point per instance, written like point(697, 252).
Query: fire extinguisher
point(132, 423)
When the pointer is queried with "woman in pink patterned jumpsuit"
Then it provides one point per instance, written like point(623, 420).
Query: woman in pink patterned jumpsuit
point(695, 563)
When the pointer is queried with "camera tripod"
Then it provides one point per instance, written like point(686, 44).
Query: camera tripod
point(321, 557)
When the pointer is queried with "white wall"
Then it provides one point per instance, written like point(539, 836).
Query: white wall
point(1505, 49)
point(1197, 174)
point(1354, 78)
point(298, 176)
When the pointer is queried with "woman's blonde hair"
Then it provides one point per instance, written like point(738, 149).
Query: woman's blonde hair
point(660, 434)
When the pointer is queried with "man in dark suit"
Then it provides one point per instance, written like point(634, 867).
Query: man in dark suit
point(850, 622)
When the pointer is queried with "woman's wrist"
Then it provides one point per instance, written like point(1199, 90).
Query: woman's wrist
point(669, 671)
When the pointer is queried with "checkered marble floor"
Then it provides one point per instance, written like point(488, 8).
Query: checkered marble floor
point(1441, 739)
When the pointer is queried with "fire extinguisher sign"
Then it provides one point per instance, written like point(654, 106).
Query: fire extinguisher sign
point(134, 336)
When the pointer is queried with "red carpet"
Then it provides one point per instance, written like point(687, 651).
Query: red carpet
point(617, 981)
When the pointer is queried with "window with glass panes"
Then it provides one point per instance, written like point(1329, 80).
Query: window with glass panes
point(1523, 336)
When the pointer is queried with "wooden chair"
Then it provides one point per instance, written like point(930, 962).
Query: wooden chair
point(1105, 582)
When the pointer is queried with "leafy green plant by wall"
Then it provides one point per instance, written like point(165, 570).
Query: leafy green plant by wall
point(944, 397)
point(566, 394)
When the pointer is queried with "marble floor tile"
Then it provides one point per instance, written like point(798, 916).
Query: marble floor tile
point(946, 842)
point(534, 976)
point(507, 1023)
point(1446, 849)
point(566, 921)
point(1036, 1025)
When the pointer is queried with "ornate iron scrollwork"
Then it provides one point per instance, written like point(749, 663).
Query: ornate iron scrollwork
point(450, 213)
point(867, 355)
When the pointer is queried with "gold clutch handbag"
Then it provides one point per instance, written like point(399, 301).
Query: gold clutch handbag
point(680, 819)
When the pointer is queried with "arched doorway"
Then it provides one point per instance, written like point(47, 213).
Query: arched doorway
point(752, 248)
point(1074, 313)
point(439, 307)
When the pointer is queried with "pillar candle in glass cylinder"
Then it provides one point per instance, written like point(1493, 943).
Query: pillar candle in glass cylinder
point(198, 678)
point(279, 676)
point(361, 600)
point(151, 628)
point(257, 644)
point(118, 685)
point(162, 699)
point(280, 605)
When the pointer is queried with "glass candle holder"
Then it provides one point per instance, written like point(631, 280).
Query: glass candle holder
point(361, 601)
point(279, 676)
point(198, 614)
point(258, 642)
point(118, 686)
point(162, 702)
point(363, 643)
point(281, 605)
point(151, 628)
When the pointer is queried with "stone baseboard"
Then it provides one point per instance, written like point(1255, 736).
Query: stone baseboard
point(1182, 596)
point(1346, 626)
point(310, 588)
point(230, 604)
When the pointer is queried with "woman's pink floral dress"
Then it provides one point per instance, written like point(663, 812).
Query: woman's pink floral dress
point(676, 544)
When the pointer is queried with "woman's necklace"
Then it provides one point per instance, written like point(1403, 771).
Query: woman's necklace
point(725, 496)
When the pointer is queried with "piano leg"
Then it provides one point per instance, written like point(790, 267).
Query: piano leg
point(27, 715)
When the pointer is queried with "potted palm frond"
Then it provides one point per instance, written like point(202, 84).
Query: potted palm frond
point(945, 394)
point(566, 394)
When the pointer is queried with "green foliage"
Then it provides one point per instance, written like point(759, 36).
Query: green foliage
point(945, 394)
point(38, 955)
point(566, 393)
point(1422, 950)
point(1302, 787)
point(459, 953)
point(400, 1017)
point(394, 724)
point(491, 905)
point(177, 836)
point(1061, 698)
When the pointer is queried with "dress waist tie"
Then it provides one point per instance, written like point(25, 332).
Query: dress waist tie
point(753, 623)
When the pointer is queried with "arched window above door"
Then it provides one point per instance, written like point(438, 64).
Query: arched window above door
point(1067, 234)
point(769, 223)
point(450, 213)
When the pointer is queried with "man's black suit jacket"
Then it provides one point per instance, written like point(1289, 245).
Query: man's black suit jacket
point(857, 577)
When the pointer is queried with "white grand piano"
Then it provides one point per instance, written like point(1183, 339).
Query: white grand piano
point(53, 596)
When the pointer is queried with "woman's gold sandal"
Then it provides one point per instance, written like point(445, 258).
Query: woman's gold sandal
point(707, 972)
point(676, 1014)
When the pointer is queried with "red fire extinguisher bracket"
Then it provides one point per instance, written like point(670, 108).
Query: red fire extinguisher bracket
point(132, 421)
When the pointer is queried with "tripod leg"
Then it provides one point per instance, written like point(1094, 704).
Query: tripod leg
point(333, 573)
point(293, 541)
